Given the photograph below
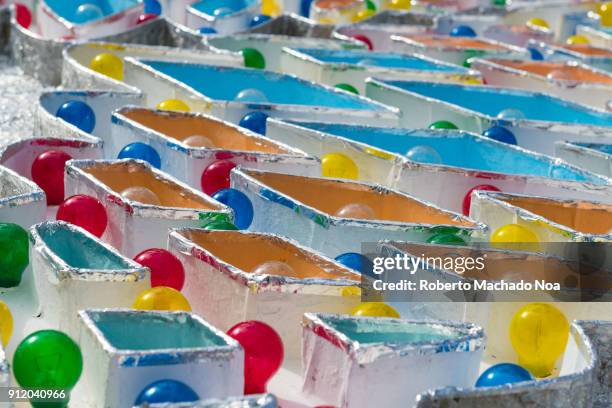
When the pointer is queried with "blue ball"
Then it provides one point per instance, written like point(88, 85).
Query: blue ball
point(535, 54)
point(305, 7)
point(500, 374)
point(207, 30)
point(259, 19)
point(166, 391)
point(240, 203)
point(255, 122)
point(78, 114)
point(357, 262)
point(141, 151)
point(152, 7)
point(463, 31)
point(501, 134)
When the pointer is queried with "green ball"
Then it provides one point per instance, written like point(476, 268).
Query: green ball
point(220, 226)
point(370, 5)
point(443, 124)
point(445, 239)
point(348, 87)
point(14, 254)
point(47, 359)
point(253, 58)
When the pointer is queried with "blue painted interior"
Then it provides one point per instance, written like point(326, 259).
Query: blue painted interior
point(154, 332)
point(490, 101)
point(67, 9)
point(456, 148)
point(604, 148)
point(389, 331)
point(224, 83)
point(209, 6)
point(78, 250)
point(379, 59)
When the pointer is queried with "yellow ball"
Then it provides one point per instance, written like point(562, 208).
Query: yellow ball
point(375, 309)
point(378, 153)
point(362, 15)
point(605, 14)
point(270, 8)
point(515, 237)
point(538, 22)
point(6, 323)
point(338, 165)
point(539, 333)
point(350, 291)
point(399, 4)
point(577, 39)
point(161, 298)
point(173, 105)
point(108, 64)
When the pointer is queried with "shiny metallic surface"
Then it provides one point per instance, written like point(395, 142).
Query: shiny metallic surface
point(590, 387)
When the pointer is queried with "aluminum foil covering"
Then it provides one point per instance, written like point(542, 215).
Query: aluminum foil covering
point(591, 158)
point(590, 387)
point(563, 53)
point(5, 374)
point(225, 295)
point(279, 213)
point(294, 25)
point(76, 73)
point(251, 401)
point(501, 265)
point(344, 371)
point(308, 65)
point(379, 28)
point(103, 103)
point(536, 135)
point(495, 210)
point(20, 155)
point(271, 46)
point(16, 191)
point(18, 101)
point(597, 37)
point(443, 185)
point(134, 226)
point(74, 270)
point(142, 75)
point(41, 57)
point(237, 20)
point(455, 54)
point(466, 337)
point(205, 358)
point(594, 92)
point(188, 163)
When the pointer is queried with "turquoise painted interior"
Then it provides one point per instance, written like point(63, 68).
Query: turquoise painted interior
point(209, 6)
point(154, 332)
point(490, 101)
point(456, 148)
point(379, 59)
point(66, 9)
point(78, 250)
point(389, 331)
point(604, 148)
point(224, 83)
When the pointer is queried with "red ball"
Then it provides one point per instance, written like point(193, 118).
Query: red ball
point(467, 200)
point(143, 18)
point(364, 39)
point(166, 269)
point(84, 211)
point(263, 353)
point(23, 15)
point(48, 173)
point(217, 176)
